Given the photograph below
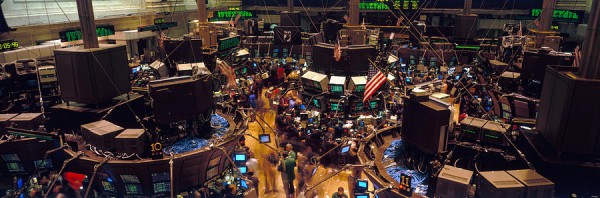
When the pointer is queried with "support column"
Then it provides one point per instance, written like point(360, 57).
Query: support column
point(589, 67)
point(547, 15)
point(201, 4)
point(467, 8)
point(290, 6)
point(354, 13)
point(87, 23)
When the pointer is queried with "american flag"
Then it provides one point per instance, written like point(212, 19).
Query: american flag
point(161, 39)
point(537, 23)
point(577, 54)
point(337, 53)
point(399, 22)
point(520, 32)
point(375, 80)
point(346, 18)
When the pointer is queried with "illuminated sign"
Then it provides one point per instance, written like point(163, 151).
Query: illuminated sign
point(8, 45)
point(161, 26)
point(233, 8)
point(396, 5)
point(228, 43)
point(74, 35)
point(560, 14)
point(233, 13)
point(159, 21)
point(373, 6)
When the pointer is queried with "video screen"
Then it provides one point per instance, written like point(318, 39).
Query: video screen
point(338, 89)
point(264, 138)
point(345, 149)
point(240, 157)
point(130, 179)
point(133, 189)
point(361, 195)
point(161, 187)
point(243, 169)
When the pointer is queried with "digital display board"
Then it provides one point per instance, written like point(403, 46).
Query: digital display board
point(305, 3)
point(560, 15)
point(74, 35)
point(485, 4)
point(228, 43)
point(8, 45)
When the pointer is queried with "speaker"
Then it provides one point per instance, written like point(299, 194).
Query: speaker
point(101, 134)
point(291, 19)
point(330, 30)
point(180, 98)
point(30, 121)
point(288, 35)
point(499, 184)
point(131, 141)
point(535, 63)
point(425, 124)
point(187, 50)
point(5, 120)
point(465, 26)
point(536, 185)
point(568, 113)
point(92, 76)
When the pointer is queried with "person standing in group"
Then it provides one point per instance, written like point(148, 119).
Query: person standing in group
point(286, 167)
point(291, 153)
point(267, 167)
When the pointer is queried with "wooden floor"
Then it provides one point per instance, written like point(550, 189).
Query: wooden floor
point(324, 190)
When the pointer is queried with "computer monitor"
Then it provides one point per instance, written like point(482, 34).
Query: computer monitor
point(361, 195)
point(136, 69)
point(345, 149)
point(244, 184)
point(337, 89)
point(334, 106)
point(362, 185)
point(316, 103)
point(243, 169)
point(264, 138)
point(359, 88)
point(239, 157)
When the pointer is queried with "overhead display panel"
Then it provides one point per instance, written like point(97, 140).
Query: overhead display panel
point(485, 4)
point(405, 4)
point(305, 3)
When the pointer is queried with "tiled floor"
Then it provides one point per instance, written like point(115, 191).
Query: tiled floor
point(324, 190)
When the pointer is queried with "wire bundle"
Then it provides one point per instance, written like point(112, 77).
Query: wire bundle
point(220, 124)
point(395, 151)
point(190, 143)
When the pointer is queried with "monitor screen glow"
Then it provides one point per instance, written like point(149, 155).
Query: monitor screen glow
point(345, 149)
point(243, 169)
point(361, 195)
point(264, 138)
point(244, 184)
point(240, 157)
